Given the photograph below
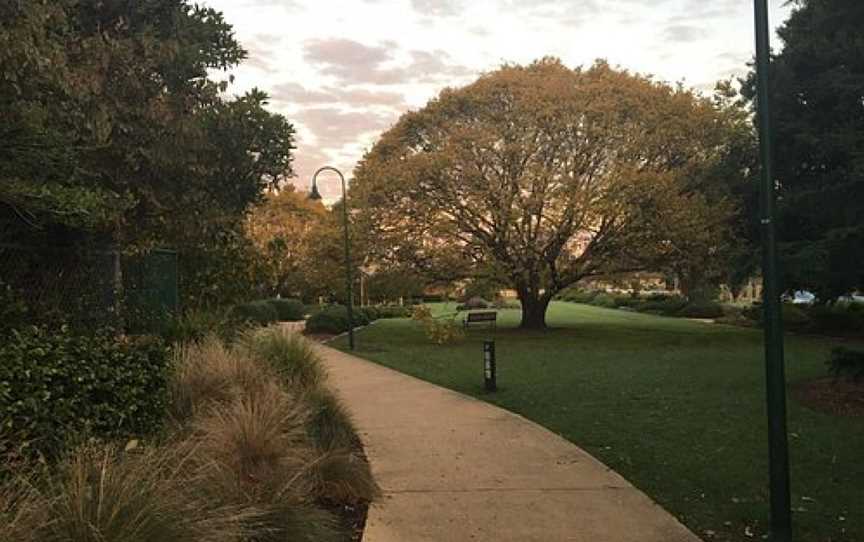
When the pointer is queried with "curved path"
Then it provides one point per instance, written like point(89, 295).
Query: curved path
point(454, 469)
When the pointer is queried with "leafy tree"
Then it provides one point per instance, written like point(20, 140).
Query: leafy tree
point(114, 132)
point(817, 88)
point(545, 175)
point(283, 228)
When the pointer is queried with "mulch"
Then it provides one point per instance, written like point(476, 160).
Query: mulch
point(837, 397)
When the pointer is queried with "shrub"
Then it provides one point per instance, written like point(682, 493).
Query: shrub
point(576, 295)
point(54, 384)
point(502, 303)
point(482, 288)
point(195, 324)
point(259, 313)
point(603, 299)
point(257, 436)
point(421, 313)
point(369, 313)
point(837, 318)
point(843, 362)
point(794, 317)
point(331, 319)
point(13, 309)
point(103, 493)
point(443, 332)
point(289, 354)
point(667, 305)
point(473, 304)
point(342, 477)
point(288, 310)
point(329, 425)
point(393, 311)
point(703, 309)
point(208, 373)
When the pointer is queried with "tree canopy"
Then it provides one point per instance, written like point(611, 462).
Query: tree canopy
point(114, 131)
point(817, 89)
point(546, 175)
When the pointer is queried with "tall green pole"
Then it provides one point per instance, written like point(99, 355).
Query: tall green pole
point(781, 513)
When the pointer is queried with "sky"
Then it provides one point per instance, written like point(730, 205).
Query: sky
point(343, 71)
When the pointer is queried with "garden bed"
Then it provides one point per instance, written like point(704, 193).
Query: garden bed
point(837, 397)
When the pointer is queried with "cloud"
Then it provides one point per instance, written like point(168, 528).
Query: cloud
point(437, 8)
point(296, 94)
point(334, 127)
point(354, 63)
point(684, 33)
point(262, 51)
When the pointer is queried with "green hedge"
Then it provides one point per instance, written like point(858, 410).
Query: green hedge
point(56, 385)
point(393, 311)
point(288, 310)
point(704, 309)
point(257, 312)
point(331, 319)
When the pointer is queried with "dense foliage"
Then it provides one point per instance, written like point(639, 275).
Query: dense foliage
point(260, 313)
point(544, 175)
point(817, 94)
point(114, 132)
point(288, 310)
point(55, 385)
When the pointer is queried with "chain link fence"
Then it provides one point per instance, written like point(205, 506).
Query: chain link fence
point(86, 288)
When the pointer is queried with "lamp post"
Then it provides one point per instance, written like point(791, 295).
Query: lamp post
point(315, 195)
point(778, 445)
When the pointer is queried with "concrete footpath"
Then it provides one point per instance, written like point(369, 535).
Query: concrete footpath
point(455, 469)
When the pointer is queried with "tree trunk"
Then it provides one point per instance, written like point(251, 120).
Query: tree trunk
point(534, 308)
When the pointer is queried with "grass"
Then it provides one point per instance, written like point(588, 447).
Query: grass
point(675, 406)
point(257, 450)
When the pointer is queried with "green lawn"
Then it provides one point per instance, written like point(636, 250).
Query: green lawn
point(675, 406)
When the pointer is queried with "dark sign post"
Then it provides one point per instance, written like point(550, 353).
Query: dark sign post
point(778, 445)
point(489, 369)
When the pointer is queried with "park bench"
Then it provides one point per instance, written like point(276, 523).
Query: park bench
point(480, 317)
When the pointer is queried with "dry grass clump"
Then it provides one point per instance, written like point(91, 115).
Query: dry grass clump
point(259, 451)
point(100, 493)
point(289, 354)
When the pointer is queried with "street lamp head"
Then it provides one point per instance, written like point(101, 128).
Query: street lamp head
point(314, 194)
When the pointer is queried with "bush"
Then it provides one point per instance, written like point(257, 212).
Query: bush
point(474, 303)
point(576, 295)
point(443, 332)
point(289, 354)
point(369, 313)
point(393, 311)
point(837, 319)
point(704, 309)
point(55, 384)
point(259, 313)
point(847, 363)
point(288, 310)
point(332, 319)
point(602, 299)
point(482, 288)
point(665, 305)
point(330, 425)
point(795, 318)
point(421, 313)
point(195, 324)
point(101, 492)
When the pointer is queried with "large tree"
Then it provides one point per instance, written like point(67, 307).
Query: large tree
point(818, 111)
point(546, 175)
point(115, 132)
